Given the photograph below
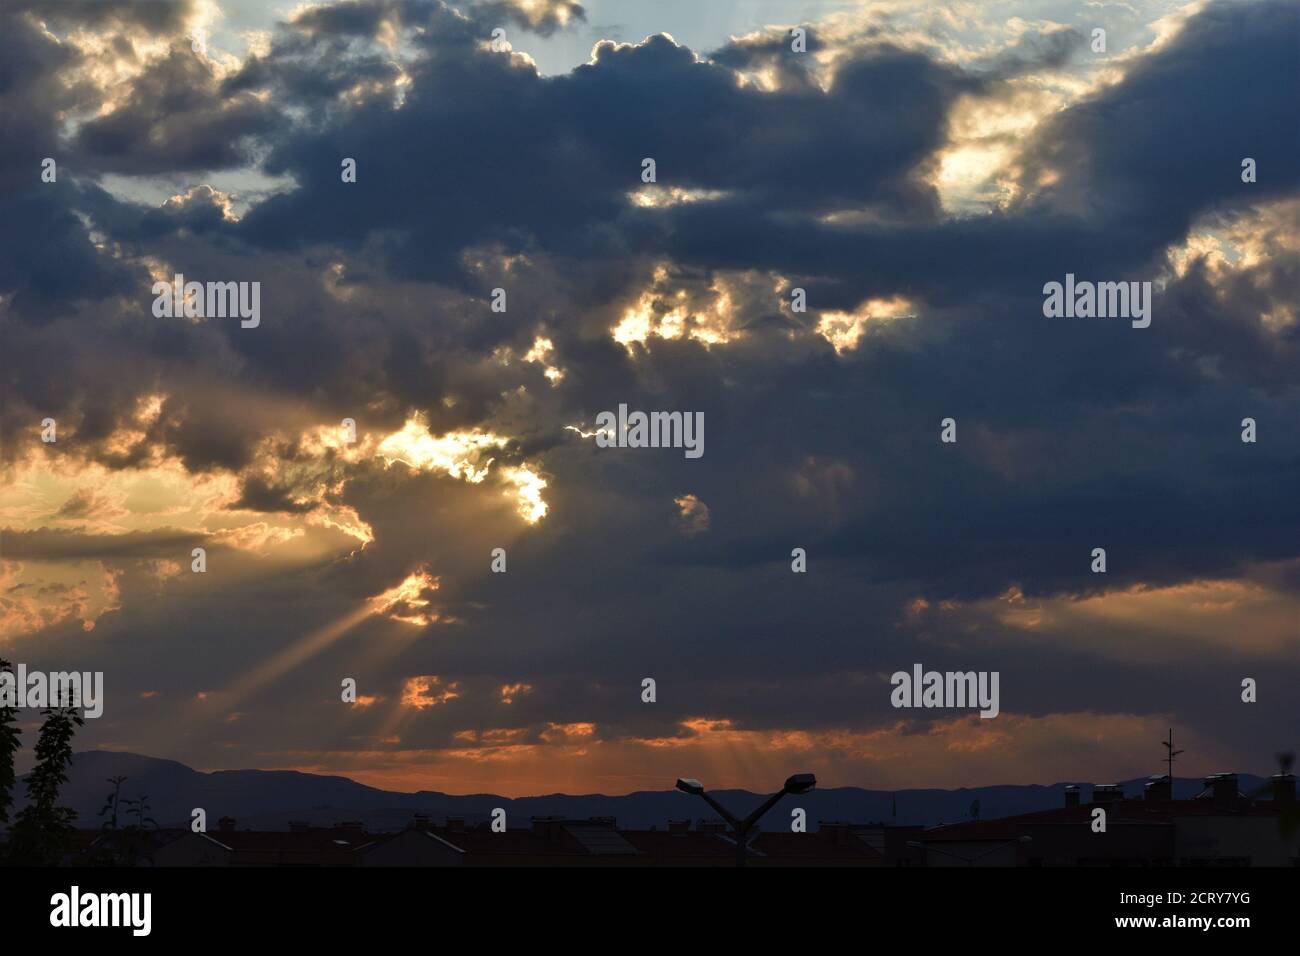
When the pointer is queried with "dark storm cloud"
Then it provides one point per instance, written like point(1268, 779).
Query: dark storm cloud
point(161, 15)
point(48, 544)
point(1139, 162)
point(46, 257)
point(1036, 49)
point(543, 18)
point(791, 153)
point(260, 495)
point(1147, 155)
point(1072, 433)
point(175, 119)
point(563, 151)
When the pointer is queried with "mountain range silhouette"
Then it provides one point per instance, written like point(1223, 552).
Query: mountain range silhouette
point(271, 799)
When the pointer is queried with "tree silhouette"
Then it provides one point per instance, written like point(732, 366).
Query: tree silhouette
point(9, 734)
point(42, 829)
point(138, 808)
point(1289, 819)
point(111, 802)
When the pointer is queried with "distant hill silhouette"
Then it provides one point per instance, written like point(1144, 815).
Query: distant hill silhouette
point(269, 799)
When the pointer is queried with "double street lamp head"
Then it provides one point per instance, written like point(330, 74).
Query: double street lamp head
point(799, 783)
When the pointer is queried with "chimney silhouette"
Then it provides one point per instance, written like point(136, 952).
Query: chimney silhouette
point(548, 828)
point(1107, 793)
point(1159, 787)
point(1222, 789)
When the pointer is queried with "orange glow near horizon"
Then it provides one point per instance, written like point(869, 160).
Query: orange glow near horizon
point(573, 758)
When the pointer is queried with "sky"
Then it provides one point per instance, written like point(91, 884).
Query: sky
point(913, 177)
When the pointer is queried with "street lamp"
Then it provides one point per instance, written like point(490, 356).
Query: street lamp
point(798, 783)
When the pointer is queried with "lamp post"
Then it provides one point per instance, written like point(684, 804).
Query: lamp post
point(798, 783)
point(968, 860)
